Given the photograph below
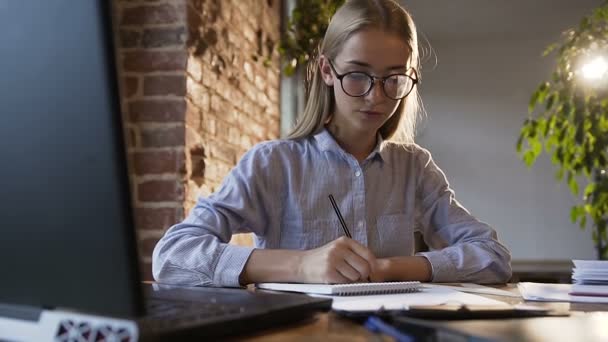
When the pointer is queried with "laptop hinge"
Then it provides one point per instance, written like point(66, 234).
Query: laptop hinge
point(21, 312)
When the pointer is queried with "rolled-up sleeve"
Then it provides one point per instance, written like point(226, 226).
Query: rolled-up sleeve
point(196, 251)
point(463, 249)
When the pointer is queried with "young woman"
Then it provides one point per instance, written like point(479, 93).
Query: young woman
point(354, 141)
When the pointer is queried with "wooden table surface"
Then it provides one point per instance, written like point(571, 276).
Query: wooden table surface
point(328, 326)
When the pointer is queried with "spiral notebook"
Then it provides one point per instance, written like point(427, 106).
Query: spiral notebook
point(356, 289)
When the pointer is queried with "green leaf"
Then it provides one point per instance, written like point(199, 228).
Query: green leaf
point(519, 143)
point(550, 101)
point(529, 158)
point(589, 189)
point(559, 174)
point(549, 49)
point(583, 222)
point(585, 24)
point(535, 146)
point(575, 212)
point(572, 184)
point(542, 126)
point(533, 101)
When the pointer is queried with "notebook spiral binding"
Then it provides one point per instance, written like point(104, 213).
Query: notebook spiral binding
point(363, 289)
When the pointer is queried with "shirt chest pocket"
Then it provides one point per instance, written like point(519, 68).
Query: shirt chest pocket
point(309, 234)
point(395, 235)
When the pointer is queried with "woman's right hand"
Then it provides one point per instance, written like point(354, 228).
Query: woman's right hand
point(341, 261)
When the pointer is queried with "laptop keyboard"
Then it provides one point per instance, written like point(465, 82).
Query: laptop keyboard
point(161, 313)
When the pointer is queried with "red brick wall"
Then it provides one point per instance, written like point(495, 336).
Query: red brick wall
point(200, 86)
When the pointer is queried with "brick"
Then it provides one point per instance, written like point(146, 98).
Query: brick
point(216, 105)
point(272, 77)
point(165, 85)
point(146, 246)
point(195, 69)
point(160, 191)
point(145, 271)
point(198, 94)
point(197, 164)
point(130, 86)
point(157, 218)
point(193, 137)
point(222, 151)
point(221, 126)
point(257, 130)
point(148, 61)
point(157, 111)
point(157, 162)
point(248, 71)
point(216, 170)
point(242, 239)
point(150, 15)
point(273, 95)
point(224, 90)
point(234, 135)
point(163, 37)
point(131, 137)
point(163, 136)
point(210, 125)
point(262, 99)
point(245, 142)
point(260, 83)
point(129, 38)
point(193, 116)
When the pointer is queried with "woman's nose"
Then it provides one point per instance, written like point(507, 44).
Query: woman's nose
point(376, 93)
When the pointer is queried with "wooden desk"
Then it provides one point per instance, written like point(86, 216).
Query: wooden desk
point(331, 327)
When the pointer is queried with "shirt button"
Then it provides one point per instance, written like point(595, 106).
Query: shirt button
point(358, 173)
point(361, 223)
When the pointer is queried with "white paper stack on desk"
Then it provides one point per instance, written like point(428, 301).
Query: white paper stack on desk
point(590, 272)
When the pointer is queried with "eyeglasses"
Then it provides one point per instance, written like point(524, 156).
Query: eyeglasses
point(358, 83)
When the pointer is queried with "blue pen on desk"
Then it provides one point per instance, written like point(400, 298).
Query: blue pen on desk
point(337, 210)
point(375, 324)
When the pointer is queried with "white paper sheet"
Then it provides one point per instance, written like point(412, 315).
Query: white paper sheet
point(427, 296)
point(475, 288)
point(554, 293)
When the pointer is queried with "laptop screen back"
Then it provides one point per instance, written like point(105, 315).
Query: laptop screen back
point(67, 233)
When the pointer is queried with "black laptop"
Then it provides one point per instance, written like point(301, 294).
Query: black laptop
point(67, 247)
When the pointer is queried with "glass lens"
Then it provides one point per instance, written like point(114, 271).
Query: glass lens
point(397, 86)
point(356, 83)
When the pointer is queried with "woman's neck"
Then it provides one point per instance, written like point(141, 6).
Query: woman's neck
point(359, 144)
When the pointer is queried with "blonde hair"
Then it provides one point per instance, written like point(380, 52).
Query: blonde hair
point(353, 16)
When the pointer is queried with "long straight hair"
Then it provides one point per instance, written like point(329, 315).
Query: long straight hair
point(354, 16)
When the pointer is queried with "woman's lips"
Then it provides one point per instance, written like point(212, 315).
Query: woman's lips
point(371, 113)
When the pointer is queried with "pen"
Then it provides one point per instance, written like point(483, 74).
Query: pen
point(337, 210)
point(344, 227)
point(375, 324)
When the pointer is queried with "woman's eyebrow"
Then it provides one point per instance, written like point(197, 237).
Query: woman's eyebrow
point(367, 65)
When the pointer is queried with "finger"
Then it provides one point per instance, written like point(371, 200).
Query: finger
point(336, 277)
point(346, 270)
point(361, 265)
point(362, 251)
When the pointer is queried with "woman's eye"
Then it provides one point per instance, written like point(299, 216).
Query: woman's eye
point(358, 76)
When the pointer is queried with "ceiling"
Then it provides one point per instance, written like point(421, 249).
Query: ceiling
point(487, 19)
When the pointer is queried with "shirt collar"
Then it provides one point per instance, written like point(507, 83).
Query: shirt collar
point(327, 142)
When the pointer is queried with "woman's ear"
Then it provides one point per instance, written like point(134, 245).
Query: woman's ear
point(325, 69)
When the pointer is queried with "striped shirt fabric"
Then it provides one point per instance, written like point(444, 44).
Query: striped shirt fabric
point(279, 191)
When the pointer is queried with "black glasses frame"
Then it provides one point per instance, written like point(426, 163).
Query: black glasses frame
point(373, 81)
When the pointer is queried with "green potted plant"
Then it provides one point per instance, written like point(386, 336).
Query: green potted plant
point(569, 119)
point(304, 30)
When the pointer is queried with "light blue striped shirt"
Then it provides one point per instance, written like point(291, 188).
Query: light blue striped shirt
point(279, 191)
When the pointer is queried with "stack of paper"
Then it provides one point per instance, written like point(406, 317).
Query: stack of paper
point(563, 292)
point(590, 272)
